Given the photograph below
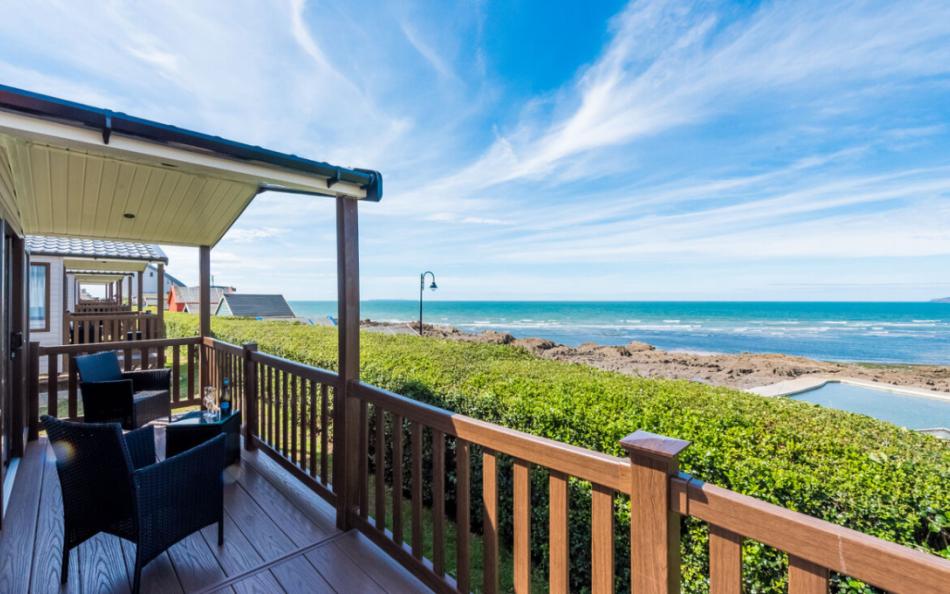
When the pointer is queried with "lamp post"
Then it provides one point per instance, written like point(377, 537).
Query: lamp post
point(422, 287)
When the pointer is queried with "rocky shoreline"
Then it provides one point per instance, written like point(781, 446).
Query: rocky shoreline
point(742, 370)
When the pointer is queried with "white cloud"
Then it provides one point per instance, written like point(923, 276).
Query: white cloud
point(698, 133)
point(247, 235)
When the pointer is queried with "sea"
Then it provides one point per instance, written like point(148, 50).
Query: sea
point(876, 332)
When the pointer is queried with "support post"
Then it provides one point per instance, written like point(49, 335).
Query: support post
point(204, 308)
point(130, 291)
point(33, 379)
point(346, 409)
point(141, 290)
point(160, 297)
point(19, 350)
point(654, 528)
point(250, 397)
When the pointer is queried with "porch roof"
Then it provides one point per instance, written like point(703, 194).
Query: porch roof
point(71, 169)
point(97, 255)
point(98, 278)
point(90, 248)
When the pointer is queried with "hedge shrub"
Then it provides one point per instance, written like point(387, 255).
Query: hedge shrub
point(845, 468)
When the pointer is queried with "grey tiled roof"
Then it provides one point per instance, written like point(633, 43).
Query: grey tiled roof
point(191, 294)
point(251, 306)
point(94, 248)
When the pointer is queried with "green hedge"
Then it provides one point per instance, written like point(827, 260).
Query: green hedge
point(848, 469)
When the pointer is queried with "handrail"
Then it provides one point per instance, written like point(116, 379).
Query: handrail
point(318, 374)
point(220, 345)
point(596, 467)
point(884, 564)
point(121, 345)
point(110, 314)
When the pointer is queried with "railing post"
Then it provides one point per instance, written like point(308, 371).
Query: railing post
point(654, 527)
point(33, 406)
point(250, 397)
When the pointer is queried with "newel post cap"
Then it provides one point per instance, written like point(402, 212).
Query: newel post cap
point(651, 444)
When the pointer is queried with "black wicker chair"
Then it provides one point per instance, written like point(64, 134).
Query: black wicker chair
point(111, 483)
point(131, 398)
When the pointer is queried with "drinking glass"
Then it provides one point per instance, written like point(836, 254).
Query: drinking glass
point(210, 402)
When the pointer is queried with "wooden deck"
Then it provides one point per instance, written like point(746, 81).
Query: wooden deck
point(279, 537)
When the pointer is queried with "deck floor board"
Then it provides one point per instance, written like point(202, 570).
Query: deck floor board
point(279, 537)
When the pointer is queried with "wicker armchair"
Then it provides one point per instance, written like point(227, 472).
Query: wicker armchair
point(111, 483)
point(131, 398)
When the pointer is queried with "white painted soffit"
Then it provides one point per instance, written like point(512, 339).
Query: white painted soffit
point(105, 265)
point(99, 279)
point(60, 179)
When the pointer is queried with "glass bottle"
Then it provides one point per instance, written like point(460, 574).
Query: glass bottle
point(225, 398)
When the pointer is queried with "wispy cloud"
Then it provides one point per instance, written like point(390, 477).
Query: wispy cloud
point(702, 146)
point(246, 235)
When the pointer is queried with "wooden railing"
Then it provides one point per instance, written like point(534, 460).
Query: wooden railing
point(418, 465)
point(99, 307)
point(408, 422)
point(419, 436)
point(61, 373)
point(287, 406)
point(814, 547)
point(90, 328)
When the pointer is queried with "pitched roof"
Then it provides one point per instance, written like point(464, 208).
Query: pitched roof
point(253, 306)
point(94, 248)
point(190, 294)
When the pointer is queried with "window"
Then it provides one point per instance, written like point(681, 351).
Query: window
point(39, 297)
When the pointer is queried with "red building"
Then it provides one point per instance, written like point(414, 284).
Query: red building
point(186, 298)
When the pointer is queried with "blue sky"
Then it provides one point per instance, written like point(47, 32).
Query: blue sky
point(536, 150)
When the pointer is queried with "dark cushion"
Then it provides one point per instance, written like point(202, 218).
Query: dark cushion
point(99, 367)
point(149, 394)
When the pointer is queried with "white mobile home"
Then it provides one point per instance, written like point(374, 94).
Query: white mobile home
point(65, 272)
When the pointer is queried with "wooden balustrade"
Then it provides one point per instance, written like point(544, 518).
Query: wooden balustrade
point(288, 408)
point(101, 307)
point(814, 546)
point(659, 495)
point(62, 375)
point(399, 421)
point(418, 466)
point(91, 328)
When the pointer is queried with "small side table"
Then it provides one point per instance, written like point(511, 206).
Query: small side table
point(191, 429)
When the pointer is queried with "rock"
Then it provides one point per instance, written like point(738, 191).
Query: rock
point(614, 352)
point(495, 337)
point(535, 344)
point(638, 347)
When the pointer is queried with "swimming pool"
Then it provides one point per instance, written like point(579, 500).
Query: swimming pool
point(913, 412)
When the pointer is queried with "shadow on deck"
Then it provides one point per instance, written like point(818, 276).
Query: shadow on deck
point(279, 537)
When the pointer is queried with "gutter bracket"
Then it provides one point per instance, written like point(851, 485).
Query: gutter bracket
point(107, 128)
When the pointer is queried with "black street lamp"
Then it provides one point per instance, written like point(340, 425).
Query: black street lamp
point(422, 287)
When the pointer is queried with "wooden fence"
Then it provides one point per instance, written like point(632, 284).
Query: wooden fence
point(409, 451)
point(91, 328)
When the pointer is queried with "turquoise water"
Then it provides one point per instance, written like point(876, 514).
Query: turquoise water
point(874, 332)
point(913, 412)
